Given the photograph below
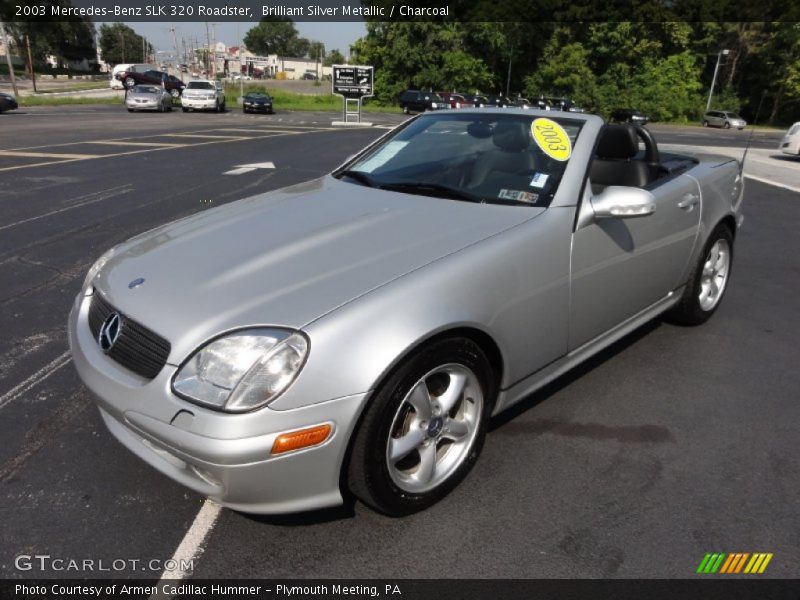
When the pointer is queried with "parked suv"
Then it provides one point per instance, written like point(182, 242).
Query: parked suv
point(723, 118)
point(130, 78)
point(417, 101)
point(203, 94)
point(629, 115)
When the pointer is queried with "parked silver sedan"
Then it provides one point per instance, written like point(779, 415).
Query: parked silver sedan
point(357, 332)
point(148, 97)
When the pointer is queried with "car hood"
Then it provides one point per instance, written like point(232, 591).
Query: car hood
point(286, 258)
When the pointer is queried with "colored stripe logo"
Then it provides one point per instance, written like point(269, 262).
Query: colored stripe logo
point(733, 563)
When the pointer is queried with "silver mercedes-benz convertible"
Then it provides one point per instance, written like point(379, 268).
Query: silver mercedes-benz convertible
point(355, 333)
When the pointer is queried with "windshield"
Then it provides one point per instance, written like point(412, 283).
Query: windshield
point(481, 157)
point(200, 85)
point(145, 89)
point(733, 116)
point(257, 96)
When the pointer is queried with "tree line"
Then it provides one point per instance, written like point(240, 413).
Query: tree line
point(662, 68)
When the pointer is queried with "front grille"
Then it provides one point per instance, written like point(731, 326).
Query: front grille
point(137, 348)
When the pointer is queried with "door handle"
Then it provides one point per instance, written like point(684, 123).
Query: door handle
point(688, 201)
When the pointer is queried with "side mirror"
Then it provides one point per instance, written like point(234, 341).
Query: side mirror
point(620, 202)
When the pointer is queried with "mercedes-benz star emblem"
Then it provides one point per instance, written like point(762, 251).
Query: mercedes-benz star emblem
point(136, 283)
point(109, 332)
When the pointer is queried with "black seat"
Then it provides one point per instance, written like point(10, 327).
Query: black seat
point(511, 153)
point(615, 161)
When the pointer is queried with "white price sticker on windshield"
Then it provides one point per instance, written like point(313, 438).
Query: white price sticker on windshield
point(384, 155)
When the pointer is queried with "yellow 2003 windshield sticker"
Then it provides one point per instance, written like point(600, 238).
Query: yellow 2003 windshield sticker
point(551, 138)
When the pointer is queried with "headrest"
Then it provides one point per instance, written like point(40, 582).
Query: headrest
point(618, 142)
point(511, 136)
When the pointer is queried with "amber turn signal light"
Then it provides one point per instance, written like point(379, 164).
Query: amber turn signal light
point(286, 442)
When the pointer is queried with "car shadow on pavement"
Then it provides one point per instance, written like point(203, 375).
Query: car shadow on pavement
point(314, 517)
point(573, 375)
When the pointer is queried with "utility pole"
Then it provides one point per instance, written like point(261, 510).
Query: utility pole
point(208, 51)
point(30, 62)
point(177, 53)
point(714, 80)
point(122, 40)
point(508, 78)
point(144, 50)
point(213, 50)
point(8, 58)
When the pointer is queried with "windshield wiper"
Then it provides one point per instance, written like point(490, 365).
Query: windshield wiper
point(432, 189)
point(358, 176)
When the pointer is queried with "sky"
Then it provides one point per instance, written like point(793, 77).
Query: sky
point(332, 34)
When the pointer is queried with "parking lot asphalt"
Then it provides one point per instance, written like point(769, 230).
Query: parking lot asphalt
point(672, 443)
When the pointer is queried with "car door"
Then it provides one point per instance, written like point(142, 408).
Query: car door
point(621, 266)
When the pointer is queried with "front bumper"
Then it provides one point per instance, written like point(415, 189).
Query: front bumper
point(790, 147)
point(198, 103)
point(226, 457)
point(150, 105)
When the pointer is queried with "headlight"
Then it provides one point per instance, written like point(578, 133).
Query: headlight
point(96, 267)
point(243, 370)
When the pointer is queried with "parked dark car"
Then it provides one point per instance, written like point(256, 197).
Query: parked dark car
point(7, 102)
point(131, 78)
point(476, 100)
point(417, 101)
point(628, 115)
point(498, 101)
point(257, 102)
point(455, 100)
point(309, 76)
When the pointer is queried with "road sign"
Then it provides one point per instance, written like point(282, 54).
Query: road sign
point(353, 81)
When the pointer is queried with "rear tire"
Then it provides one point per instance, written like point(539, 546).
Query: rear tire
point(444, 432)
point(406, 111)
point(708, 280)
point(184, 109)
point(705, 123)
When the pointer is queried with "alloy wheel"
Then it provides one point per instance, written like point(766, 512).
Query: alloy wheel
point(434, 428)
point(714, 277)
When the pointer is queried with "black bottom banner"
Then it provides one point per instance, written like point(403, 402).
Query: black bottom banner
point(406, 589)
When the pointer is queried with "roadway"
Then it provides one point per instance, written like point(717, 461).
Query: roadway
point(672, 443)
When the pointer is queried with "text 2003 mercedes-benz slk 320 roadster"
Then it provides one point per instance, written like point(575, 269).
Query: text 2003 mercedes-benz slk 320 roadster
point(356, 332)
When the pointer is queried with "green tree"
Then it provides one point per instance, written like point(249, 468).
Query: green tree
point(69, 40)
point(119, 44)
point(423, 55)
point(334, 57)
point(273, 35)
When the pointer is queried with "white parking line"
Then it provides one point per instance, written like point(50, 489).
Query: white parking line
point(93, 198)
point(35, 379)
point(191, 546)
point(771, 182)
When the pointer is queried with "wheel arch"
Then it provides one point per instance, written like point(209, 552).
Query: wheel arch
point(477, 335)
point(730, 222)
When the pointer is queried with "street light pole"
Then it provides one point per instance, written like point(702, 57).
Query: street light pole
point(720, 54)
point(8, 58)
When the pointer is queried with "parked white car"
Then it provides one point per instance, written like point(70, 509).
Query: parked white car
point(790, 144)
point(203, 94)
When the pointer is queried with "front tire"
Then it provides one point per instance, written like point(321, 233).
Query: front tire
point(707, 281)
point(424, 428)
point(727, 125)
